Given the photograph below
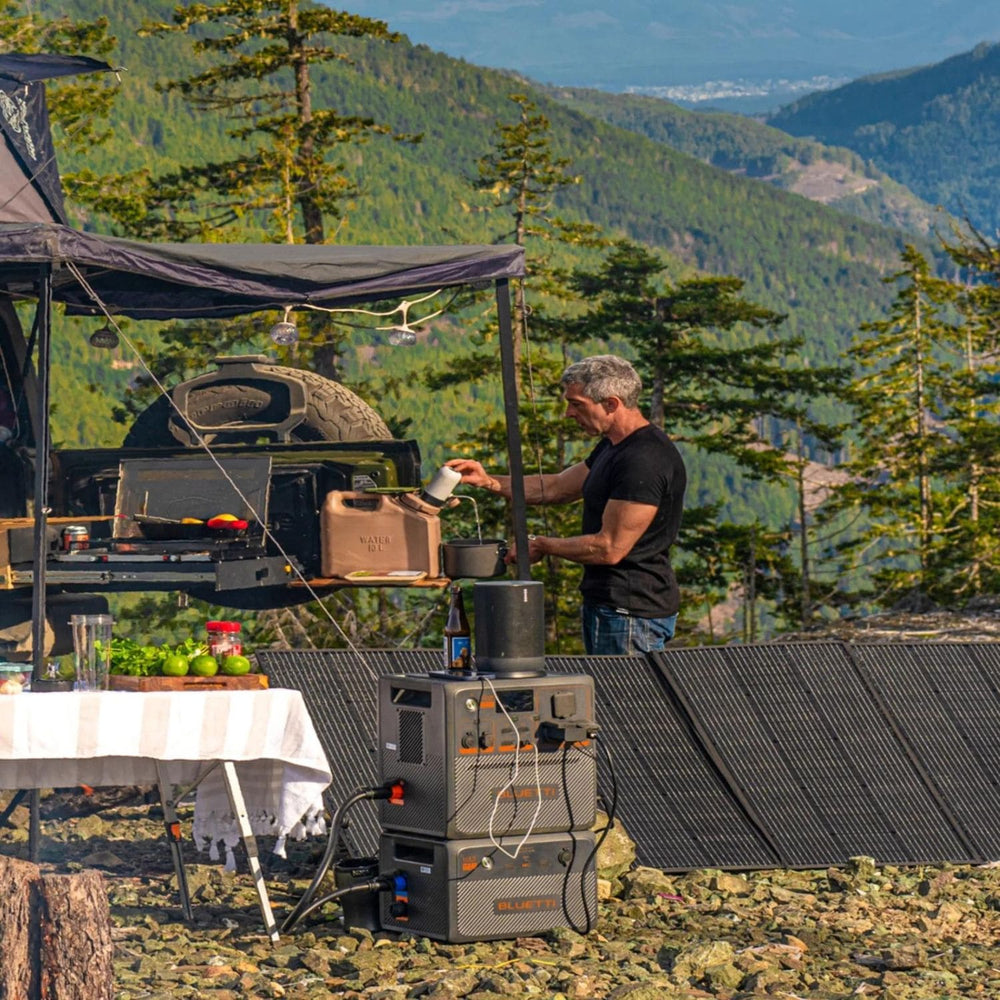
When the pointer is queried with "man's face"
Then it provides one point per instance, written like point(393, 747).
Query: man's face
point(593, 417)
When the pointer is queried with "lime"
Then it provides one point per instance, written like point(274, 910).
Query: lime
point(235, 665)
point(174, 665)
point(204, 665)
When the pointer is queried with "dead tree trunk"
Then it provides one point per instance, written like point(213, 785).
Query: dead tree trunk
point(55, 935)
point(19, 886)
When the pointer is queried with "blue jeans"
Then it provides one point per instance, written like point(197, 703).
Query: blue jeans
point(613, 632)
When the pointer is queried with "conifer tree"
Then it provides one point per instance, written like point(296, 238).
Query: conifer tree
point(899, 395)
point(263, 53)
point(709, 396)
point(969, 561)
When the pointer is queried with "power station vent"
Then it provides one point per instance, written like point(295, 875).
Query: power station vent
point(411, 737)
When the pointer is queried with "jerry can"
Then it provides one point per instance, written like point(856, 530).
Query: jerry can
point(378, 533)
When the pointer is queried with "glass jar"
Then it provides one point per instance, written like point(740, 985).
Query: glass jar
point(14, 677)
point(224, 639)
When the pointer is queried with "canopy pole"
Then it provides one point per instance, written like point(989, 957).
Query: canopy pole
point(43, 438)
point(510, 405)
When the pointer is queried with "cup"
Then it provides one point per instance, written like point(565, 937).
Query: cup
point(91, 650)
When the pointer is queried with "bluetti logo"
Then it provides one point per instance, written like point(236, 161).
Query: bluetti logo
point(15, 111)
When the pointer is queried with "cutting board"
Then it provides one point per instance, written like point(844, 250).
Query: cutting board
point(220, 682)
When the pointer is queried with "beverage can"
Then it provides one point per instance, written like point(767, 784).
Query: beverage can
point(75, 538)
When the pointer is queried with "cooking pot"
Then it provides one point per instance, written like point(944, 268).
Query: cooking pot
point(472, 558)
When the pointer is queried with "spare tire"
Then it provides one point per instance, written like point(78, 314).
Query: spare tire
point(331, 413)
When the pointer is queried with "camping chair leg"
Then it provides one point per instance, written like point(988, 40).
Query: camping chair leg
point(173, 828)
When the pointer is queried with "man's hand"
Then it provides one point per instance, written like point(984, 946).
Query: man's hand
point(536, 550)
point(473, 473)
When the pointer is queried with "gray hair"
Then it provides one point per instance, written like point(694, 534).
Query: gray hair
point(605, 375)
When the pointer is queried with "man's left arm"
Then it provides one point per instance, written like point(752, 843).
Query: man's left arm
point(622, 526)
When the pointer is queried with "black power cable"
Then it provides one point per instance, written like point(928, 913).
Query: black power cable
point(381, 884)
point(336, 825)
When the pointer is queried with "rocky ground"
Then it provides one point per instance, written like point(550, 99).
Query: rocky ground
point(864, 931)
point(868, 930)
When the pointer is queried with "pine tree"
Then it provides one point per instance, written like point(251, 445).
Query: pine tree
point(899, 397)
point(969, 562)
point(522, 175)
point(288, 176)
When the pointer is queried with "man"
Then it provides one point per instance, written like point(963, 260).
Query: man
point(632, 485)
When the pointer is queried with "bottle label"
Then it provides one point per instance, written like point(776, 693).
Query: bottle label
point(457, 652)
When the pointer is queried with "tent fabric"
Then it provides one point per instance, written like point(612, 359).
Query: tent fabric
point(191, 280)
point(30, 188)
point(26, 67)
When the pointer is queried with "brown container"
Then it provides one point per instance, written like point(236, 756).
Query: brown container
point(378, 533)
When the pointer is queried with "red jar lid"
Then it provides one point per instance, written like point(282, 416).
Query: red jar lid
point(223, 626)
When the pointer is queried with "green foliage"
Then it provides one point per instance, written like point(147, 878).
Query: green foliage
point(935, 128)
point(744, 146)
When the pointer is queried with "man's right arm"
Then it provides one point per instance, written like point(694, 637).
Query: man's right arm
point(552, 487)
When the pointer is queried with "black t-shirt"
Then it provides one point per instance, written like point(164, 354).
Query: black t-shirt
point(645, 468)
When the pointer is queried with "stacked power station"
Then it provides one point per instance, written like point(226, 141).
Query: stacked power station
point(488, 827)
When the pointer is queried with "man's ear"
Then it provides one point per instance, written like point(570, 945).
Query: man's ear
point(611, 403)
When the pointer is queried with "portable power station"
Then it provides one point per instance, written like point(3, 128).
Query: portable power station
point(482, 890)
point(480, 755)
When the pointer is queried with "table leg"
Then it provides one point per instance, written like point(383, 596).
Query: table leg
point(34, 824)
point(250, 843)
point(173, 828)
point(15, 801)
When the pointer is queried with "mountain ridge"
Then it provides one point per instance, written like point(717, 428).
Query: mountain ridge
point(934, 128)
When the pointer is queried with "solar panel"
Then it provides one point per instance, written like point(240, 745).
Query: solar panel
point(672, 800)
point(943, 697)
point(741, 757)
point(808, 753)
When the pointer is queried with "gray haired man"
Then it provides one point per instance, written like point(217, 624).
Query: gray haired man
point(632, 486)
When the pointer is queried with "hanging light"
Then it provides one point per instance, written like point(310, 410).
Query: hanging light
point(285, 332)
point(106, 337)
point(401, 336)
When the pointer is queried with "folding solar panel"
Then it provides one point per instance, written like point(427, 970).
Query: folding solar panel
point(943, 697)
point(808, 754)
point(672, 800)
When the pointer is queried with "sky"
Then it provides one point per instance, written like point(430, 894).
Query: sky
point(625, 44)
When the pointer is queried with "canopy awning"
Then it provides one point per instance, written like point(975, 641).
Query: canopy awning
point(189, 280)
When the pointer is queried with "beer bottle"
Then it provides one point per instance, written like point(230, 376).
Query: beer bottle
point(457, 637)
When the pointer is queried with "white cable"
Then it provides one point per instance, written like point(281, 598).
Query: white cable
point(513, 777)
point(208, 450)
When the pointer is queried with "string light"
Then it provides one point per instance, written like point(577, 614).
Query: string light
point(104, 337)
point(285, 332)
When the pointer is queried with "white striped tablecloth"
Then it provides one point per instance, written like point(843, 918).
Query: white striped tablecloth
point(63, 739)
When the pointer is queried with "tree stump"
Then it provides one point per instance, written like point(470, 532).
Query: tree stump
point(55, 935)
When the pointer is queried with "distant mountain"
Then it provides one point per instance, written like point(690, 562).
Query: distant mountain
point(819, 266)
point(618, 44)
point(833, 176)
point(935, 129)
